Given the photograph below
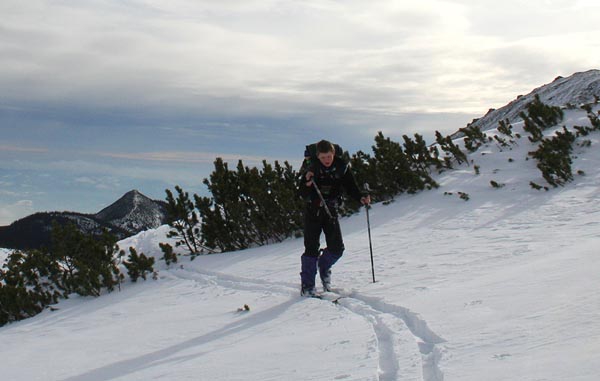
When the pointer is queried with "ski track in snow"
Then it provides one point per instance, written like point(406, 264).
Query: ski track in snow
point(381, 315)
point(427, 340)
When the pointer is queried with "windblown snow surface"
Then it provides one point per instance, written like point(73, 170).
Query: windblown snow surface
point(504, 286)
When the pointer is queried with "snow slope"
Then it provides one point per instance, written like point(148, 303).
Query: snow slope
point(503, 286)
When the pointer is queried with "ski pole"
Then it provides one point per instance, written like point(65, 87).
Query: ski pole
point(367, 207)
point(322, 199)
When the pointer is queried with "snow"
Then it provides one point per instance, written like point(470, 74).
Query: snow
point(503, 286)
point(3, 255)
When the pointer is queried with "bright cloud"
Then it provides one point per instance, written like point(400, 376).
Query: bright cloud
point(282, 56)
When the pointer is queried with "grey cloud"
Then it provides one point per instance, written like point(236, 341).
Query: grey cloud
point(112, 68)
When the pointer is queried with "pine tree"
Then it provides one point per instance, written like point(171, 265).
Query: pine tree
point(27, 285)
point(278, 211)
point(76, 263)
point(504, 127)
point(474, 137)
point(391, 166)
point(420, 154)
point(543, 115)
point(224, 215)
point(421, 161)
point(554, 160)
point(168, 255)
point(539, 117)
point(249, 207)
point(138, 265)
point(363, 168)
point(88, 263)
point(594, 118)
point(184, 222)
point(448, 146)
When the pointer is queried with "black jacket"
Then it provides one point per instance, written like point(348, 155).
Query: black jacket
point(331, 181)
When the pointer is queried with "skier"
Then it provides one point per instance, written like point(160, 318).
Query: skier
point(324, 171)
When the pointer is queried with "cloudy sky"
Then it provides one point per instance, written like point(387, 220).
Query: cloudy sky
point(99, 97)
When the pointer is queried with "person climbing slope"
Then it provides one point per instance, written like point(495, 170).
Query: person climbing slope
point(325, 175)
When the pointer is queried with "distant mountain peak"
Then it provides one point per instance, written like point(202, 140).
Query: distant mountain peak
point(132, 213)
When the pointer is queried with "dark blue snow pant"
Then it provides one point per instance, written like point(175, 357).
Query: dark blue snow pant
point(316, 221)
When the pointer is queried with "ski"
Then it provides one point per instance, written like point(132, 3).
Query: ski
point(326, 295)
point(331, 297)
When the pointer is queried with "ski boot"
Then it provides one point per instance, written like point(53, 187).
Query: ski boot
point(326, 280)
point(308, 291)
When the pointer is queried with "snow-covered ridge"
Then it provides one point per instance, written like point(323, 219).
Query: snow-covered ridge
point(576, 90)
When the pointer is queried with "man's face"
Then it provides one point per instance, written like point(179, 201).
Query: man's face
point(326, 158)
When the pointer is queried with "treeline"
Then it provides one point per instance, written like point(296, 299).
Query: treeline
point(85, 264)
point(248, 207)
point(252, 207)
